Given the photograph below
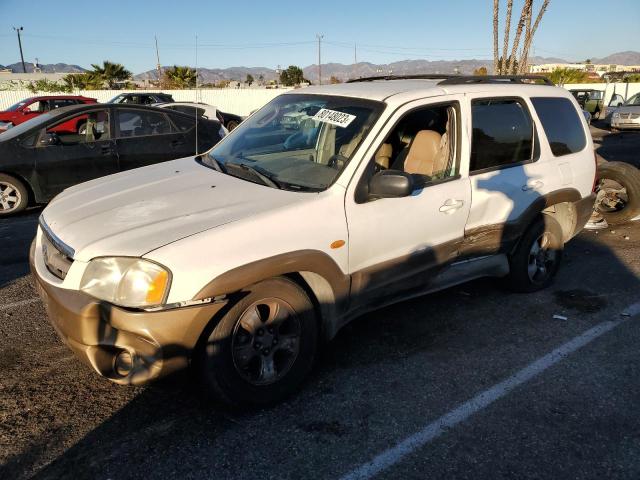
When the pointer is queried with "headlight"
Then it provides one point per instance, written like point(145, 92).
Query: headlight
point(128, 282)
point(616, 115)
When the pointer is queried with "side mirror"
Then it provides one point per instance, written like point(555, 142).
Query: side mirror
point(49, 139)
point(390, 184)
point(26, 110)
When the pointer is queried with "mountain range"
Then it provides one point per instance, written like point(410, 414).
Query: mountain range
point(343, 71)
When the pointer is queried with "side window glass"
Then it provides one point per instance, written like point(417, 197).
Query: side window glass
point(423, 143)
point(561, 124)
point(138, 123)
point(183, 123)
point(502, 134)
point(61, 103)
point(40, 106)
point(84, 128)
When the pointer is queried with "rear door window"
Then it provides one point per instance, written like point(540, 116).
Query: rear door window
point(561, 124)
point(138, 123)
point(503, 134)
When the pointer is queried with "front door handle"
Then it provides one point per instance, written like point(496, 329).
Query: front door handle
point(533, 185)
point(451, 205)
point(106, 150)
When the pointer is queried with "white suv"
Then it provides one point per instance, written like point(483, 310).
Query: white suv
point(241, 261)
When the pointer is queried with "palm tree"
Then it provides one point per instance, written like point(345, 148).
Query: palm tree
point(496, 7)
point(110, 73)
point(510, 64)
point(507, 34)
point(181, 77)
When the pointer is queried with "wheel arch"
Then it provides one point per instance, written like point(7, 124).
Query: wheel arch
point(315, 271)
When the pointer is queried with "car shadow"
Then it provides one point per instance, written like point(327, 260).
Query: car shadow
point(16, 233)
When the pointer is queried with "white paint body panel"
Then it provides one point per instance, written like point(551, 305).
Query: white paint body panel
point(200, 223)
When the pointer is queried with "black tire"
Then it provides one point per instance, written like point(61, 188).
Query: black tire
point(232, 359)
point(545, 231)
point(14, 196)
point(231, 124)
point(616, 205)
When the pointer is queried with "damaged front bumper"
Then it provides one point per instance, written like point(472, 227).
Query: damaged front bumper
point(126, 346)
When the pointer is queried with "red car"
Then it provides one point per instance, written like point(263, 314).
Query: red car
point(34, 106)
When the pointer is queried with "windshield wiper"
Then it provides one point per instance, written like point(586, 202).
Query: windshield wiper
point(262, 175)
point(217, 164)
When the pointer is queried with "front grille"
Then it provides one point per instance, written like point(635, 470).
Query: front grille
point(57, 256)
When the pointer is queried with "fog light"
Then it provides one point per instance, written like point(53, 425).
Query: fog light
point(123, 363)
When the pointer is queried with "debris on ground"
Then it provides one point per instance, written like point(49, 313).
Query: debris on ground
point(559, 317)
point(596, 222)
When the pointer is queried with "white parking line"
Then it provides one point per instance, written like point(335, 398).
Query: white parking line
point(19, 304)
point(433, 430)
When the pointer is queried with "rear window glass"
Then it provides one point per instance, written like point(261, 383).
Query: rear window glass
point(561, 124)
point(502, 134)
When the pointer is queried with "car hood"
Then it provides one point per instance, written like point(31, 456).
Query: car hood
point(134, 212)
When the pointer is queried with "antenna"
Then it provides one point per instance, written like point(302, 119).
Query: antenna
point(319, 37)
point(195, 110)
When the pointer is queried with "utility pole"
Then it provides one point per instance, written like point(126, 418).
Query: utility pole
point(319, 37)
point(355, 61)
point(18, 30)
point(159, 68)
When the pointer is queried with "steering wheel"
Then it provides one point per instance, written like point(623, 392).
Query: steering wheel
point(337, 161)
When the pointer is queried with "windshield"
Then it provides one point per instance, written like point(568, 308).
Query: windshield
point(13, 108)
point(24, 126)
point(633, 101)
point(116, 98)
point(298, 142)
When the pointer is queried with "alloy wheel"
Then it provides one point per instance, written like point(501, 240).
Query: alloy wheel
point(10, 197)
point(541, 259)
point(266, 341)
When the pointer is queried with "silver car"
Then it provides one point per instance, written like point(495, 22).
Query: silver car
point(627, 116)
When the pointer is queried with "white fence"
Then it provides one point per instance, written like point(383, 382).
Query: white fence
point(244, 101)
point(238, 101)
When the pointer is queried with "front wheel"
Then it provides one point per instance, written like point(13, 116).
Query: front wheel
point(537, 257)
point(14, 196)
point(263, 347)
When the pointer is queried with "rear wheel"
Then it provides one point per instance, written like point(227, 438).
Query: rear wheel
point(263, 347)
point(537, 257)
point(14, 196)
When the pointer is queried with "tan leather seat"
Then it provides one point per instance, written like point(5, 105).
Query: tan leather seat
point(383, 155)
point(423, 152)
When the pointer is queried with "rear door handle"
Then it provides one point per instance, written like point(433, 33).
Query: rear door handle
point(534, 185)
point(451, 205)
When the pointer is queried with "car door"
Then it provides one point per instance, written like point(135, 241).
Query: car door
point(65, 157)
point(147, 136)
point(506, 172)
point(398, 244)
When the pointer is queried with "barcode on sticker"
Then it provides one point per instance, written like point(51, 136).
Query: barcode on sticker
point(334, 117)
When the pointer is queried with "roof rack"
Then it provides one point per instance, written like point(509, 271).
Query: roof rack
point(466, 79)
point(461, 79)
point(426, 76)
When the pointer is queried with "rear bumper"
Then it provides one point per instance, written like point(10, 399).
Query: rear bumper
point(158, 342)
point(584, 209)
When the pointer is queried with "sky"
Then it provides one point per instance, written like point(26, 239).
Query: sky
point(282, 32)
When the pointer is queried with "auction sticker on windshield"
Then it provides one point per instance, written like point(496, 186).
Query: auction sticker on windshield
point(333, 117)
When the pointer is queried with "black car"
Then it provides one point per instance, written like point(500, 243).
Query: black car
point(42, 156)
point(144, 98)
point(229, 120)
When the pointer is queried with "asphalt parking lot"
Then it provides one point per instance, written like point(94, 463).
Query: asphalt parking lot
point(459, 384)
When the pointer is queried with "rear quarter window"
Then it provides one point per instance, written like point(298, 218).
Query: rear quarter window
point(561, 124)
